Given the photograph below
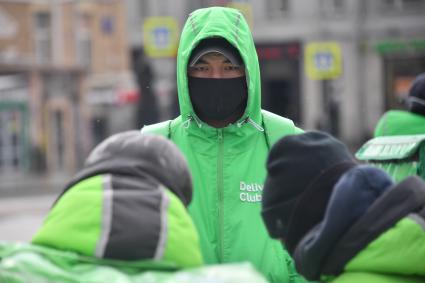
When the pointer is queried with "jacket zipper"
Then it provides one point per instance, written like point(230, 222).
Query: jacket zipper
point(220, 194)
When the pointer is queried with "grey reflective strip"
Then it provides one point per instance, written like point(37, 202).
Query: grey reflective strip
point(418, 219)
point(162, 241)
point(106, 216)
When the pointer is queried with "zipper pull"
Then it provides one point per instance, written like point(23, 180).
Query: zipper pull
point(220, 134)
point(186, 123)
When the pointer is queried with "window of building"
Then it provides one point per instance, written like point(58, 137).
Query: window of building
point(84, 42)
point(43, 37)
point(333, 7)
point(143, 9)
point(197, 4)
point(402, 5)
point(277, 8)
point(11, 140)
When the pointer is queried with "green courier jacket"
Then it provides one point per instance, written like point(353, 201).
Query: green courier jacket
point(398, 122)
point(26, 263)
point(228, 164)
point(117, 222)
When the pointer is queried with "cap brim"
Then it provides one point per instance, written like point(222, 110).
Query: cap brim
point(215, 49)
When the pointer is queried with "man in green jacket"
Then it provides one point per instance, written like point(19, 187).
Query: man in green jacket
point(401, 122)
point(343, 222)
point(123, 218)
point(226, 137)
point(398, 145)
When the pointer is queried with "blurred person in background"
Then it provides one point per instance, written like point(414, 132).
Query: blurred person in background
point(148, 112)
point(122, 218)
point(343, 222)
point(401, 122)
point(226, 136)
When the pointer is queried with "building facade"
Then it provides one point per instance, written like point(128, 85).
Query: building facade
point(382, 45)
point(55, 59)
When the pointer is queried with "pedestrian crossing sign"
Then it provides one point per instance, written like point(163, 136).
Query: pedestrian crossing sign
point(323, 60)
point(160, 35)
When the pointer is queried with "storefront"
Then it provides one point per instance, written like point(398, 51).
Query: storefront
point(280, 78)
point(402, 61)
point(14, 146)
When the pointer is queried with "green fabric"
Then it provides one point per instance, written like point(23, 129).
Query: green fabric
point(276, 126)
point(400, 156)
point(75, 221)
point(228, 164)
point(68, 228)
point(229, 24)
point(355, 277)
point(182, 240)
point(398, 122)
point(23, 263)
point(390, 147)
point(398, 255)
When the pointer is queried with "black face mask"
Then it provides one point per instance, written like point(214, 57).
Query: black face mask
point(218, 99)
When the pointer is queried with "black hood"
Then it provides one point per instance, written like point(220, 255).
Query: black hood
point(149, 157)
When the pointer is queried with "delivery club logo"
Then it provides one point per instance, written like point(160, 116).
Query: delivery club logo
point(250, 192)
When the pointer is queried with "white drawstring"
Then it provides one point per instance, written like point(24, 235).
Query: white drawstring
point(258, 127)
point(252, 122)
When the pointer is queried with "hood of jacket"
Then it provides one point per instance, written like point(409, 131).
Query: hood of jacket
point(229, 24)
point(127, 203)
point(367, 219)
point(391, 243)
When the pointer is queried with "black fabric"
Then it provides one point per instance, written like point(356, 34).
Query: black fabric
point(311, 205)
point(352, 195)
point(136, 206)
point(416, 98)
point(218, 99)
point(302, 170)
point(406, 197)
point(150, 157)
point(422, 213)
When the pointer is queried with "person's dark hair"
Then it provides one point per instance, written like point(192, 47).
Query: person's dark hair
point(416, 98)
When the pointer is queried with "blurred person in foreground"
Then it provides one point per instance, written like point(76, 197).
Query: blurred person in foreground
point(343, 222)
point(402, 122)
point(226, 136)
point(122, 219)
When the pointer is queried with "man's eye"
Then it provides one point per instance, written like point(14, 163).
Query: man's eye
point(231, 68)
point(200, 68)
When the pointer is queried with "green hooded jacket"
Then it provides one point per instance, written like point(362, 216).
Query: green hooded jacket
point(26, 263)
point(384, 247)
point(123, 218)
point(228, 164)
point(398, 122)
point(373, 230)
point(397, 146)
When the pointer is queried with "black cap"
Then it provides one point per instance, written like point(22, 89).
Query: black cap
point(301, 172)
point(216, 45)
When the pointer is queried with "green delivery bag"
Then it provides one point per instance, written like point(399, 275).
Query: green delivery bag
point(400, 156)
